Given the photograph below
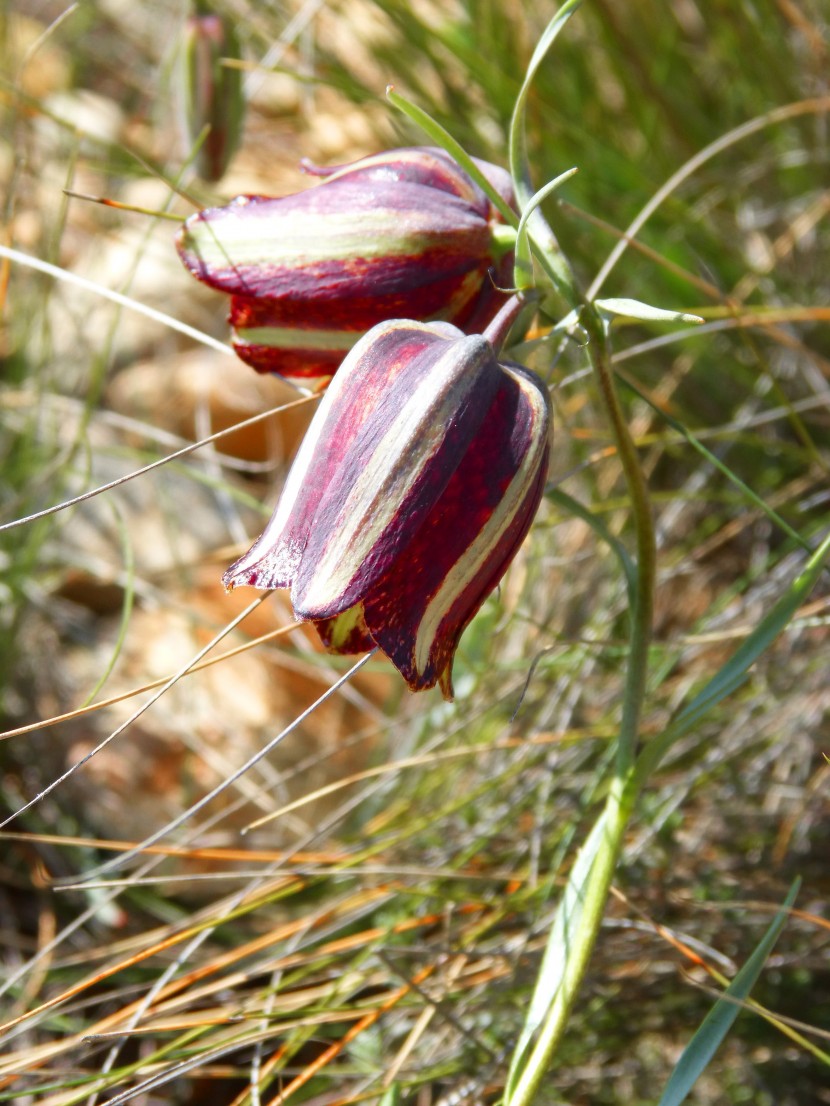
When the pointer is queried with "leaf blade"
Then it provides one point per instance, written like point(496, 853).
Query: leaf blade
point(717, 1023)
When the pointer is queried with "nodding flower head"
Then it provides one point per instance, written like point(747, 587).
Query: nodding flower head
point(405, 233)
point(413, 489)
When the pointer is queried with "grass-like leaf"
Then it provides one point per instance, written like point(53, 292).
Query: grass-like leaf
point(732, 675)
point(563, 934)
point(717, 1023)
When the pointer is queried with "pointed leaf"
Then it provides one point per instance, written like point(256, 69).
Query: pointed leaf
point(717, 1023)
point(518, 153)
point(470, 165)
point(730, 677)
point(524, 268)
point(561, 938)
point(634, 309)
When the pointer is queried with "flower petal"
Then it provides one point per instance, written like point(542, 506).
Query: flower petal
point(405, 233)
point(413, 489)
point(420, 608)
point(363, 384)
point(269, 338)
point(345, 633)
point(381, 489)
point(327, 241)
point(298, 338)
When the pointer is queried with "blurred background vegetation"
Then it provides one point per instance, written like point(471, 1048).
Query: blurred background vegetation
point(384, 930)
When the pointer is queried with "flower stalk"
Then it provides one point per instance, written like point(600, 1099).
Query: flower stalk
point(625, 784)
point(213, 100)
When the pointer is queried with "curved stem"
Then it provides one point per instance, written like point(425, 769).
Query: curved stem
point(625, 785)
point(643, 610)
point(499, 327)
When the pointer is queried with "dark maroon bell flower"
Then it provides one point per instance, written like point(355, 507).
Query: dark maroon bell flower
point(413, 489)
point(405, 233)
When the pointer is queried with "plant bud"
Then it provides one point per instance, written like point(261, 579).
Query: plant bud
point(212, 92)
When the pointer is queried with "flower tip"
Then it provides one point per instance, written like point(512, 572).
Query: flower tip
point(445, 683)
point(416, 681)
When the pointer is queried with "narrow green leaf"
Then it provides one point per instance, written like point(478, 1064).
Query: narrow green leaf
point(734, 672)
point(391, 1096)
point(563, 935)
point(718, 1021)
point(635, 309)
point(566, 323)
point(442, 137)
point(696, 444)
point(517, 141)
point(544, 240)
point(574, 507)
point(523, 273)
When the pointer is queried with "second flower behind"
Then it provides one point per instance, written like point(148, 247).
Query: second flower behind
point(406, 232)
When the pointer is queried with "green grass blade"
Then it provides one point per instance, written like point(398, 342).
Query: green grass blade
point(391, 1096)
point(718, 1021)
point(728, 678)
point(562, 936)
point(725, 470)
point(574, 507)
point(442, 137)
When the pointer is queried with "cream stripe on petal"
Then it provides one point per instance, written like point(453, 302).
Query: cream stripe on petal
point(241, 238)
point(475, 556)
point(416, 434)
point(293, 338)
point(298, 474)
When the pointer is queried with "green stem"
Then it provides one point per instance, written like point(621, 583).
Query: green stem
point(625, 785)
point(583, 904)
point(643, 609)
point(553, 261)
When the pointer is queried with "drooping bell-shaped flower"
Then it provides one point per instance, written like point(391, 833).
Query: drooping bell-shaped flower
point(412, 491)
point(212, 99)
point(403, 233)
